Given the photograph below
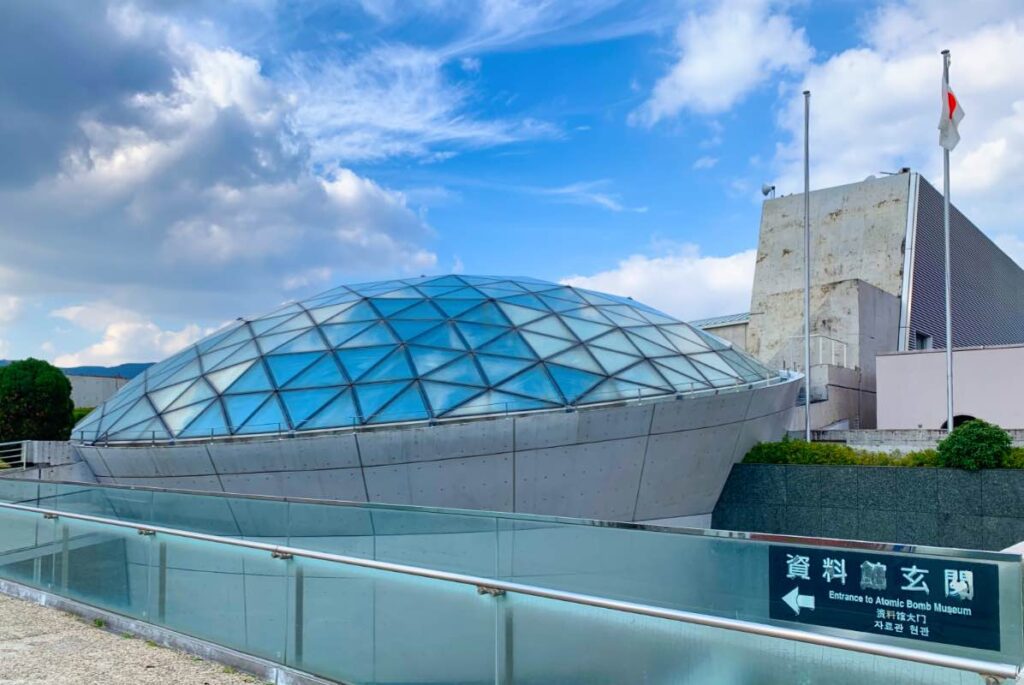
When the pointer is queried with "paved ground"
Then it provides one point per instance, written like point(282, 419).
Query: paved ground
point(41, 645)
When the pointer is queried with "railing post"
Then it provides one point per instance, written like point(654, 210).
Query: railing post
point(299, 610)
point(161, 584)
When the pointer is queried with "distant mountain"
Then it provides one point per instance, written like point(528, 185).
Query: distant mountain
point(123, 370)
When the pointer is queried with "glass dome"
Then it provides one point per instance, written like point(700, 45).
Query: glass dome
point(413, 350)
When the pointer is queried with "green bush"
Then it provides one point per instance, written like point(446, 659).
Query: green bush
point(35, 402)
point(799, 452)
point(975, 445)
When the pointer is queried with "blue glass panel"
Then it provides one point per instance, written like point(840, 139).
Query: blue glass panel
point(388, 307)
point(615, 389)
point(406, 407)
point(453, 308)
point(498, 369)
point(519, 315)
point(445, 396)
point(551, 326)
point(687, 342)
point(360, 311)
point(215, 339)
point(679, 381)
point(462, 294)
point(436, 290)
point(162, 398)
point(587, 314)
point(578, 358)
point(177, 420)
point(375, 335)
point(715, 376)
point(408, 330)
point(241, 334)
point(558, 304)
point(713, 360)
point(211, 359)
point(572, 382)
point(643, 373)
point(442, 336)
point(322, 314)
point(499, 289)
point(613, 361)
point(545, 345)
point(337, 333)
point(424, 310)
point(271, 341)
point(197, 392)
point(140, 411)
point(302, 404)
point(462, 371)
point(478, 334)
point(295, 323)
point(339, 412)
point(616, 340)
point(241, 407)
point(324, 372)
point(595, 298)
point(480, 280)
point(210, 422)
point(659, 317)
point(564, 293)
point(510, 344)
point(395, 367)
point(285, 367)
point(374, 396)
point(653, 334)
point(426, 359)
point(253, 380)
point(111, 415)
point(528, 301)
point(712, 341)
point(243, 353)
point(151, 430)
point(357, 361)
point(648, 348)
point(486, 313)
point(188, 371)
point(449, 281)
point(620, 320)
point(494, 402)
point(268, 419)
point(401, 294)
point(585, 329)
point(310, 341)
point(533, 383)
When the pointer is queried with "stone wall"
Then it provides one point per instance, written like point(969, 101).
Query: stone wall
point(923, 506)
point(891, 440)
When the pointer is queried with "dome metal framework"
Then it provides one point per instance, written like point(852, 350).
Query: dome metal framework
point(413, 350)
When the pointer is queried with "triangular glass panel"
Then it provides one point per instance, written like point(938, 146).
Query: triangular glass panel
point(713, 341)
point(374, 396)
point(647, 348)
point(585, 330)
point(271, 341)
point(267, 419)
point(241, 354)
point(587, 314)
point(613, 361)
point(680, 382)
point(286, 366)
point(551, 326)
point(197, 392)
point(408, 329)
point(212, 358)
point(498, 369)
point(442, 336)
point(627, 311)
point(357, 312)
point(221, 380)
point(511, 345)
point(177, 420)
point(208, 424)
point(494, 402)
point(426, 359)
point(572, 382)
point(478, 334)
point(435, 290)
point(559, 305)
point(544, 345)
point(444, 396)
point(423, 310)
point(534, 384)
point(620, 320)
point(653, 334)
point(578, 358)
point(453, 308)
point(338, 333)
point(462, 294)
point(406, 293)
point(685, 339)
point(395, 367)
point(216, 338)
point(241, 407)
point(358, 360)
point(296, 323)
point(715, 362)
point(152, 430)
point(658, 317)
point(162, 398)
point(388, 307)
point(616, 340)
point(616, 389)
point(480, 280)
point(499, 289)
point(462, 371)
point(324, 372)
point(141, 411)
point(643, 373)
point(375, 335)
point(448, 281)
point(595, 298)
point(310, 341)
point(187, 372)
point(339, 413)
point(301, 404)
point(528, 301)
point(322, 314)
point(486, 313)
point(253, 380)
point(240, 334)
point(408, 406)
point(519, 315)
point(564, 293)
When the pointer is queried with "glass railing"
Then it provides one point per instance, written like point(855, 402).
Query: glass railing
point(384, 594)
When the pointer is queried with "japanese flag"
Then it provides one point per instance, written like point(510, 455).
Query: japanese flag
point(952, 113)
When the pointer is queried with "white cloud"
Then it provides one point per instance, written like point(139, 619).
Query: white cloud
point(592, 193)
point(724, 54)
point(126, 336)
point(682, 282)
point(705, 162)
point(10, 307)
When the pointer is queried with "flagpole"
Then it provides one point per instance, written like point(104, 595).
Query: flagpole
point(807, 265)
point(949, 289)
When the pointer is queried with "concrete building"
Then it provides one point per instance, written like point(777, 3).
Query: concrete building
point(92, 391)
point(987, 385)
point(876, 288)
point(481, 392)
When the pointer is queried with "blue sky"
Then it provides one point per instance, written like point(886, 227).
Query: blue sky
point(166, 167)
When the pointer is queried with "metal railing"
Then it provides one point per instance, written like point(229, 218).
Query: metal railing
point(824, 351)
point(13, 454)
point(496, 588)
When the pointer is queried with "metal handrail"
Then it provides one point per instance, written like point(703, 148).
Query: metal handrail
point(489, 585)
point(13, 453)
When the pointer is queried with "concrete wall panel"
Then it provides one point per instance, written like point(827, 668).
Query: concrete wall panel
point(615, 423)
point(125, 462)
point(340, 484)
point(546, 430)
point(315, 452)
point(471, 483)
point(431, 443)
point(185, 460)
point(698, 412)
point(92, 457)
point(208, 483)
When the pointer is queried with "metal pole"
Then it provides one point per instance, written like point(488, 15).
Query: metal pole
point(807, 265)
point(949, 289)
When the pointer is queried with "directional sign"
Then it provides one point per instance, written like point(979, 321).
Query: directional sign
point(948, 601)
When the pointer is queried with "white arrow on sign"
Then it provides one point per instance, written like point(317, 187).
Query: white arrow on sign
point(795, 601)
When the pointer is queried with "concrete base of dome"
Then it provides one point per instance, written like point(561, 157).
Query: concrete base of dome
point(634, 462)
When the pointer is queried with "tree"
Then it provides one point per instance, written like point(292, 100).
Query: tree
point(975, 445)
point(35, 402)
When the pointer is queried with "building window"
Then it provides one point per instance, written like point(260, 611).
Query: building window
point(922, 341)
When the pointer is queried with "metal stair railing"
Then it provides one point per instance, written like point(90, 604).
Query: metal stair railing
point(13, 454)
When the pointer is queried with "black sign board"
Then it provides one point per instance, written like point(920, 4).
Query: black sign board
point(947, 601)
